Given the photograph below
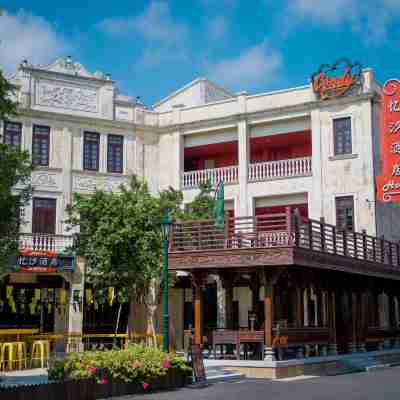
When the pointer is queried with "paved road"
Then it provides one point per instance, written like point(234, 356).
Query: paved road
point(382, 385)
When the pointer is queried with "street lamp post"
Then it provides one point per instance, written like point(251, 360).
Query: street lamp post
point(166, 226)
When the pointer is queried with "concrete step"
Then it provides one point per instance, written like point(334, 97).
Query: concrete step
point(221, 374)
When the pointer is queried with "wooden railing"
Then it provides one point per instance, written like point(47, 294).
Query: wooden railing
point(45, 242)
point(192, 179)
point(282, 230)
point(280, 169)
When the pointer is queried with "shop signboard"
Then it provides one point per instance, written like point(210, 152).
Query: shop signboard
point(331, 81)
point(388, 183)
point(44, 261)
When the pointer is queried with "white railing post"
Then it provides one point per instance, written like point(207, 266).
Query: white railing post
point(192, 179)
point(280, 169)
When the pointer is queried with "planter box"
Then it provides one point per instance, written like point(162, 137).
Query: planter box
point(88, 390)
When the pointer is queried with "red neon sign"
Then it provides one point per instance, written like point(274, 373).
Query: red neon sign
point(388, 183)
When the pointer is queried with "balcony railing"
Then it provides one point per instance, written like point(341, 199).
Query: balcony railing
point(280, 169)
point(282, 230)
point(192, 179)
point(45, 242)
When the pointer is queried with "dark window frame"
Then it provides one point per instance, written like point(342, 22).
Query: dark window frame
point(115, 165)
point(345, 220)
point(36, 225)
point(37, 157)
point(342, 136)
point(10, 135)
point(90, 144)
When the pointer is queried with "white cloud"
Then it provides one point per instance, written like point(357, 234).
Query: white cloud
point(255, 65)
point(154, 24)
point(26, 36)
point(217, 27)
point(370, 20)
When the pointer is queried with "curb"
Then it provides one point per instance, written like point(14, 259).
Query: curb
point(225, 377)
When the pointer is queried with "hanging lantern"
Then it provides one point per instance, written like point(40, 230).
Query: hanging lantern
point(9, 291)
point(111, 296)
point(89, 296)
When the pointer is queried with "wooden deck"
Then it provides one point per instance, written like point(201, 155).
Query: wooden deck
point(281, 240)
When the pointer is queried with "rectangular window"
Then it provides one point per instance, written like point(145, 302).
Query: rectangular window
point(40, 145)
point(44, 215)
point(345, 213)
point(91, 146)
point(342, 136)
point(115, 157)
point(12, 134)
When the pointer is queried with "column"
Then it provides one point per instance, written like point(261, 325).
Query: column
point(306, 309)
point(75, 314)
point(66, 180)
point(198, 281)
point(269, 354)
point(243, 156)
point(221, 304)
point(363, 319)
point(299, 307)
point(331, 300)
point(316, 197)
point(354, 306)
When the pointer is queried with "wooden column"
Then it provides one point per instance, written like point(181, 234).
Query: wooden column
point(331, 300)
point(299, 307)
point(227, 283)
point(198, 280)
point(269, 278)
point(268, 312)
point(354, 315)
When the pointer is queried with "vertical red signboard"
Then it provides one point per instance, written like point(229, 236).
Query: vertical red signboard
point(388, 183)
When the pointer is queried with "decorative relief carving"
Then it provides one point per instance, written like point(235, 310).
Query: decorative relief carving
point(68, 97)
point(44, 179)
point(90, 183)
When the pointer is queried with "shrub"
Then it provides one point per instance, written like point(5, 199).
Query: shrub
point(136, 363)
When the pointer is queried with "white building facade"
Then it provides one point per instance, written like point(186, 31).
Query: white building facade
point(287, 148)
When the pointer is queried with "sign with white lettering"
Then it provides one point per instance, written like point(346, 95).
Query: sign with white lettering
point(388, 183)
point(44, 261)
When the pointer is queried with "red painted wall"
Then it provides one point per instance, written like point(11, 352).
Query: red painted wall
point(303, 209)
point(280, 147)
point(223, 154)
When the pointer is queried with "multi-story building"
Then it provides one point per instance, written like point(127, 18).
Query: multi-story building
point(276, 152)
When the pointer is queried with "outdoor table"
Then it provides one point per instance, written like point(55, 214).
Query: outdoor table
point(248, 336)
point(17, 332)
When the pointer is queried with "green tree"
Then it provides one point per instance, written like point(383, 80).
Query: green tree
point(15, 189)
point(202, 206)
point(120, 239)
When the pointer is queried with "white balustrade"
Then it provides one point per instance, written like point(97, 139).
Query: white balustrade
point(45, 242)
point(279, 169)
point(193, 179)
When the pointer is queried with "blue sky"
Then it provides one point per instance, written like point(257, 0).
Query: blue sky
point(152, 48)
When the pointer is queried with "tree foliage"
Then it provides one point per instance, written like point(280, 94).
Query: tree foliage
point(120, 237)
point(15, 189)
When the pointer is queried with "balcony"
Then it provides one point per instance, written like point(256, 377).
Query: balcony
point(192, 179)
point(269, 170)
point(45, 242)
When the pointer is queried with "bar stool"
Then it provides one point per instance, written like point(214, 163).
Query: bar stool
point(40, 352)
point(21, 354)
point(7, 355)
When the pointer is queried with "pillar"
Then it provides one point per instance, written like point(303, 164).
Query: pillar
point(299, 307)
point(243, 156)
point(221, 304)
point(306, 308)
point(331, 300)
point(268, 313)
point(354, 325)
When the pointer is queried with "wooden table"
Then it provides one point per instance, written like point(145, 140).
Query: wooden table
point(17, 332)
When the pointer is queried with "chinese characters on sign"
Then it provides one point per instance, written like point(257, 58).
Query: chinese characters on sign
point(328, 84)
point(44, 261)
point(388, 183)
